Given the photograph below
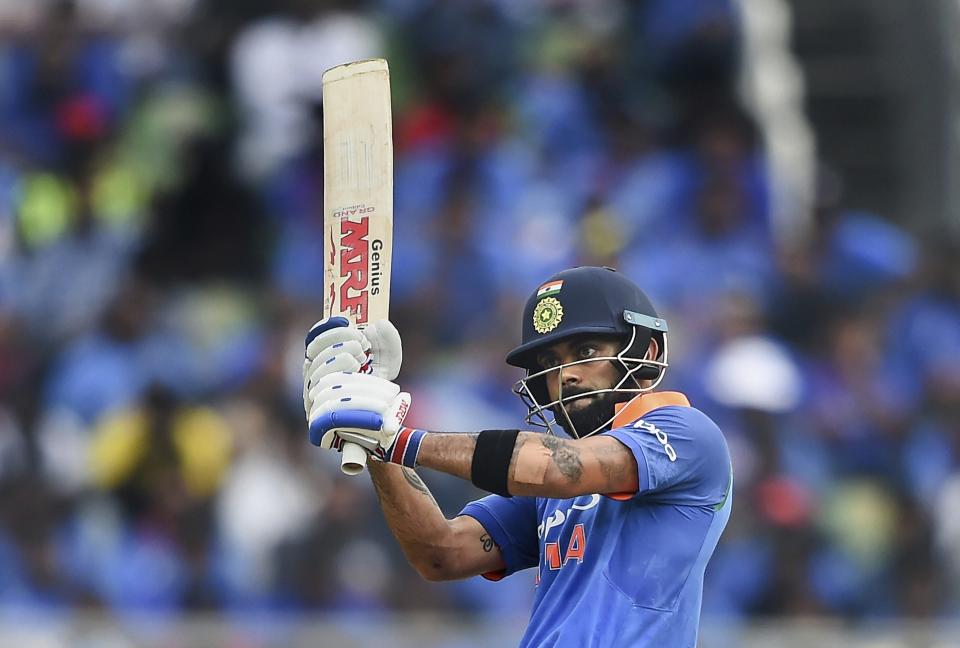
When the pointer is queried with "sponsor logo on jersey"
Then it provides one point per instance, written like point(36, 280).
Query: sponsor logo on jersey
point(559, 516)
point(556, 556)
point(661, 437)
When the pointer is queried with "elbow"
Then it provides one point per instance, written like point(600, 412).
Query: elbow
point(433, 569)
point(433, 575)
point(435, 562)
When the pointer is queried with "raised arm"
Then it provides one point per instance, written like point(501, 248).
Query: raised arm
point(345, 404)
point(438, 548)
point(542, 465)
point(369, 412)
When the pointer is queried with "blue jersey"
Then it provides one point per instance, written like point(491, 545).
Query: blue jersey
point(624, 569)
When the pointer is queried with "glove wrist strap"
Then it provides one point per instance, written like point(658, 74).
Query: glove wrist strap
point(406, 447)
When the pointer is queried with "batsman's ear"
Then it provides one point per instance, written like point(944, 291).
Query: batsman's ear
point(653, 349)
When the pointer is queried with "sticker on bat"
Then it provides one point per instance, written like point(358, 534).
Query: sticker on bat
point(354, 260)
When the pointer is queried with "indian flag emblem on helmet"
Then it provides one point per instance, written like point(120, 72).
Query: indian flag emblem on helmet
point(551, 288)
point(547, 314)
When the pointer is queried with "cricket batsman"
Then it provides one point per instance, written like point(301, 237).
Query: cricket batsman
point(619, 516)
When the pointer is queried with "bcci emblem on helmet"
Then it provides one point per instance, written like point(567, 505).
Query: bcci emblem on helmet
point(547, 315)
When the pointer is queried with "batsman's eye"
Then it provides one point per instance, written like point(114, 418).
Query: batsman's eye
point(548, 361)
point(586, 351)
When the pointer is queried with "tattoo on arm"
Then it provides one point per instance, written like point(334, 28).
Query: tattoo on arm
point(486, 542)
point(414, 480)
point(565, 457)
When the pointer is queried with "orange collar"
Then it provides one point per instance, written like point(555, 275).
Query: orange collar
point(634, 409)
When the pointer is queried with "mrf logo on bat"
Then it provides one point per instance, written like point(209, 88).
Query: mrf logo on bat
point(360, 267)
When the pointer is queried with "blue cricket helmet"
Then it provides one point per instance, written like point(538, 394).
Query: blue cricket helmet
point(584, 301)
point(587, 299)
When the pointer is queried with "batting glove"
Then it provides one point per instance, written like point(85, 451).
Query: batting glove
point(333, 345)
point(365, 410)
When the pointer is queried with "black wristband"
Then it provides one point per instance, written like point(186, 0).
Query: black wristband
point(490, 467)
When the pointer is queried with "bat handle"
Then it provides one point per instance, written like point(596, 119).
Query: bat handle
point(353, 459)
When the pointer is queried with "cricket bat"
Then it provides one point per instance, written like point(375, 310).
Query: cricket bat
point(357, 201)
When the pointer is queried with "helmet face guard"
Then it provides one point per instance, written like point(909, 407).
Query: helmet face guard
point(544, 413)
point(586, 301)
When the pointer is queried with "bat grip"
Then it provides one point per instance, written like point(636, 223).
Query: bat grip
point(353, 459)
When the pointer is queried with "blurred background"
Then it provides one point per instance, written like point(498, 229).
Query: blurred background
point(781, 176)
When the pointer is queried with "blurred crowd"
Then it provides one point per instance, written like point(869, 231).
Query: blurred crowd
point(160, 261)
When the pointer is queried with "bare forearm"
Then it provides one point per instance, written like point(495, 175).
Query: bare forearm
point(411, 512)
point(449, 453)
point(542, 465)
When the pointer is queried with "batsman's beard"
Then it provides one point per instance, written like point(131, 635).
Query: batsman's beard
point(589, 414)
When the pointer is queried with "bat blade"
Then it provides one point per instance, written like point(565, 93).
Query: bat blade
point(357, 201)
point(358, 190)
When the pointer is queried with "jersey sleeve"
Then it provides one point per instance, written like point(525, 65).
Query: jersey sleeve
point(512, 523)
point(682, 457)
